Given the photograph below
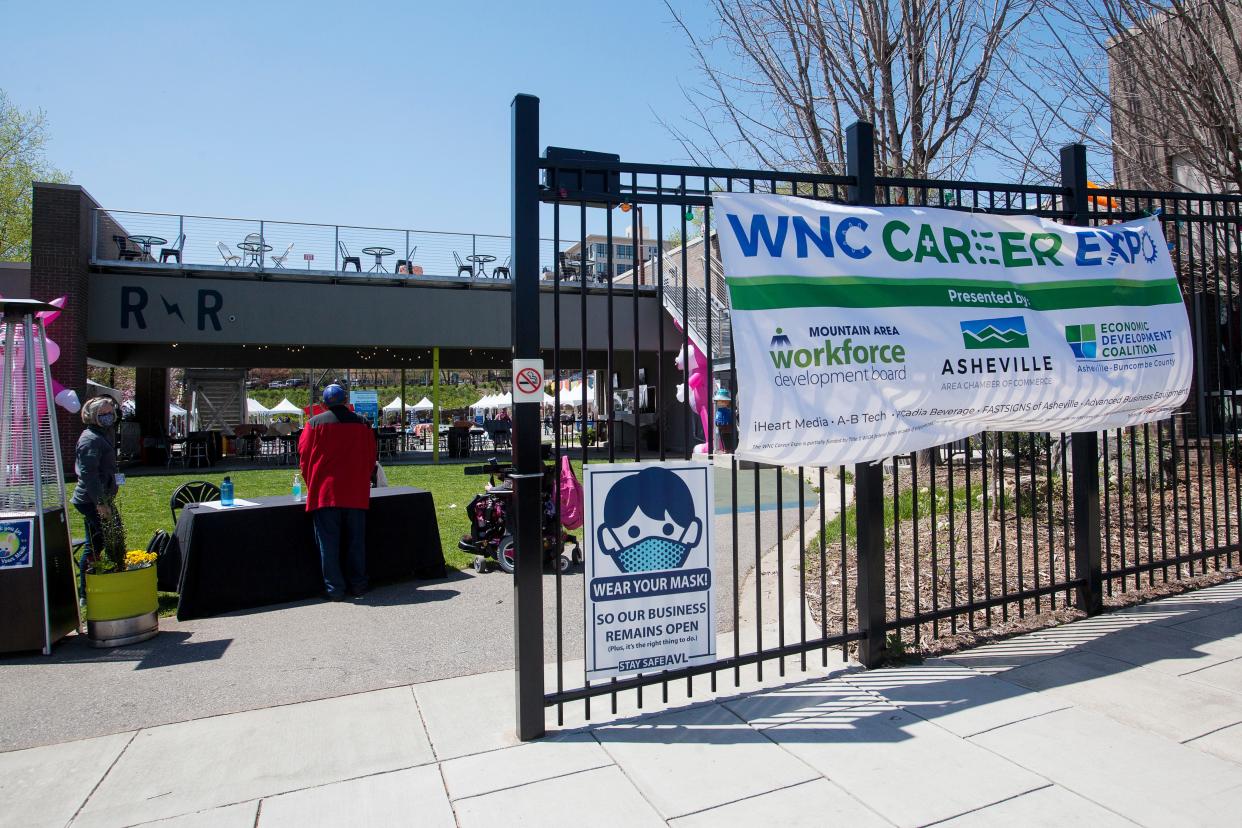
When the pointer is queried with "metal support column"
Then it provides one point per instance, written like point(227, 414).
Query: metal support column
point(435, 405)
point(528, 575)
point(868, 477)
point(1084, 446)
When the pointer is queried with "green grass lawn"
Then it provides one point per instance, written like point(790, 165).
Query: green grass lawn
point(144, 500)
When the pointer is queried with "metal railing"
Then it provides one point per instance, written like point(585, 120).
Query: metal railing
point(705, 316)
point(895, 556)
point(261, 246)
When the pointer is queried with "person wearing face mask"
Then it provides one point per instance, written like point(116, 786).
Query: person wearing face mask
point(649, 522)
point(95, 466)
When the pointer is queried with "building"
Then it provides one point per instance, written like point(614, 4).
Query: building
point(1175, 93)
point(623, 259)
point(215, 314)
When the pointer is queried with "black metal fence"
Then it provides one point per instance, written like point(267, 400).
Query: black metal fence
point(890, 557)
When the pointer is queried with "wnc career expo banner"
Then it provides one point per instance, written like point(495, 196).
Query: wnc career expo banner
point(861, 333)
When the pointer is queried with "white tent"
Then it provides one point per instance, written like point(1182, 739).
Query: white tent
point(548, 399)
point(254, 408)
point(285, 407)
point(573, 395)
point(177, 419)
point(395, 405)
point(491, 401)
point(98, 389)
point(424, 405)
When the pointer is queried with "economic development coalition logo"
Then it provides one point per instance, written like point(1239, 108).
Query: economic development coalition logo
point(990, 334)
point(1081, 339)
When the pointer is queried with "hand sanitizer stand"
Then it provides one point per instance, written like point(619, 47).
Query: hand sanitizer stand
point(38, 595)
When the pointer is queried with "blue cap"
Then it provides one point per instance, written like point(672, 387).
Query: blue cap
point(334, 394)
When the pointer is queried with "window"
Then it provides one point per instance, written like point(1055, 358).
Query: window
point(625, 251)
point(601, 250)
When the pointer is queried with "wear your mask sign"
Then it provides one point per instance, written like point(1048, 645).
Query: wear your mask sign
point(649, 602)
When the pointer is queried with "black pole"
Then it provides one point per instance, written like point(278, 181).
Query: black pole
point(868, 477)
point(527, 459)
point(1084, 446)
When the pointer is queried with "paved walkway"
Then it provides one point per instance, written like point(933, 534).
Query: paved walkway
point(1130, 718)
point(399, 634)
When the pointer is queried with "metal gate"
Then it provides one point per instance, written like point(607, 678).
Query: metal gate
point(961, 538)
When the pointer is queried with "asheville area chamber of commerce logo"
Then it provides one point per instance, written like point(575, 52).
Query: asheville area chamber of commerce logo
point(1002, 332)
point(1081, 339)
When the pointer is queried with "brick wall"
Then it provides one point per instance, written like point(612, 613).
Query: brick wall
point(59, 257)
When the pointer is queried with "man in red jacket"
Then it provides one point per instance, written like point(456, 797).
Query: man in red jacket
point(338, 454)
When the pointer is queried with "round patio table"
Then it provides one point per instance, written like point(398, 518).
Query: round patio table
point(481, 260)
point(379, 253)
point(254, 252)
point(145, 243)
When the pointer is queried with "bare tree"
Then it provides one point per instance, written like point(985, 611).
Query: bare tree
point(782, 79)
point(1155, 86)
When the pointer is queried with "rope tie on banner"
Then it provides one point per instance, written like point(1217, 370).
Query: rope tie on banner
point(1156, 212)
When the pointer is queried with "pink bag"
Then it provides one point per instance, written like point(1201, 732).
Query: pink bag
point(570, 491)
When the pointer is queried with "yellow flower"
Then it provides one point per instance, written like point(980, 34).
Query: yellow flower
point(138, 557)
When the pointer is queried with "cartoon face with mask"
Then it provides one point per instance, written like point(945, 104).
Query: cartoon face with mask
point(649, 522)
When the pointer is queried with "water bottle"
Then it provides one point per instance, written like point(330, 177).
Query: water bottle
point(226, 492)
point(297, 487)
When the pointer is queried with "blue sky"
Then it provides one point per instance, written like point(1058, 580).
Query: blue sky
point(371, 113)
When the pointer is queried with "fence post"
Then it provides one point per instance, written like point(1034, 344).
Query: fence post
point(1084, 446)
point(868, 477)
point(527, 437)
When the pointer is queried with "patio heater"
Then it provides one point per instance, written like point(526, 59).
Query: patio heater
point(38, 598)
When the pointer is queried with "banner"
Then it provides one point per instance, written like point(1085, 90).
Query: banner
point(366, 404)
point(648, 576)
point(861, 333)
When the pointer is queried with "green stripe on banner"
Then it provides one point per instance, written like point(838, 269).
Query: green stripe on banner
point(770, 292)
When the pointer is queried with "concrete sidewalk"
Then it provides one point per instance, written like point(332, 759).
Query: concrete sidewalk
point(1130, 718)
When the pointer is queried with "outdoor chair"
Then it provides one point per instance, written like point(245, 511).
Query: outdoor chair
point(346, 259)
point(123, 251)
point(502, 272)
point(196, 491)
point(569, 265)
point(463, 266)
point(279, 261)
point(173, 252)
point(408, 261)
point(230, 258)
point(270, 448)
point(177, 452)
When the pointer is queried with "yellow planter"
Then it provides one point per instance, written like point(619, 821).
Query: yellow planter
point(116, 595)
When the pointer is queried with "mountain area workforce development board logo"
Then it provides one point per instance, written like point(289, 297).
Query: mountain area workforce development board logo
point(1002, 332)
point(1081, 339)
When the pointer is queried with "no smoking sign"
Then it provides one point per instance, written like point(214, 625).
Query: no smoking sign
point(528, 380)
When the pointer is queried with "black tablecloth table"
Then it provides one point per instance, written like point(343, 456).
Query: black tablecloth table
point(251, 556)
